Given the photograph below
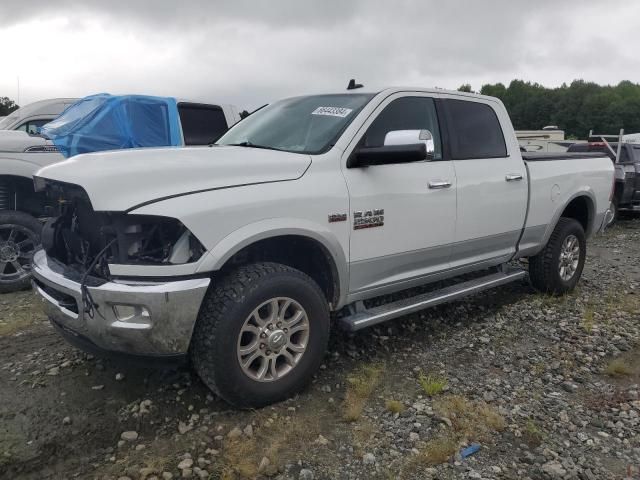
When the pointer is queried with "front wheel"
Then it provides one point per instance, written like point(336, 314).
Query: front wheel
point(19, 239)
point(558, 267)
point(261, 334)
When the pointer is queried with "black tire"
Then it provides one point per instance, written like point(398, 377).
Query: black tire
point(19, 236)
point(544, 268)
point(226, 307)
point(615, 214)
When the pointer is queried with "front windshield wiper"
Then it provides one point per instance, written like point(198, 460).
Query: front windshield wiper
point(247, 143)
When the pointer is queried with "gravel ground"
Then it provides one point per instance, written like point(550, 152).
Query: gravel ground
point(539, 387)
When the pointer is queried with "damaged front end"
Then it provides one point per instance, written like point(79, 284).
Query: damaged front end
point(125, 312)
point(88, 241)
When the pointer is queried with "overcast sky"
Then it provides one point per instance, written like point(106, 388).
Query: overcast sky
point(254, 52)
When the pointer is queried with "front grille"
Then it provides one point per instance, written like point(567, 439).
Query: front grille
point(64, 300)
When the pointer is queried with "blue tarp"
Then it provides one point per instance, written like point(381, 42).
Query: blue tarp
point(113, 122)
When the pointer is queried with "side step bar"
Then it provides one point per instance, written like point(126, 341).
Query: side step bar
point(372, 316)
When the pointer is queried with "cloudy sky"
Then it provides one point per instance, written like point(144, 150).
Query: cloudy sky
point(253, 52)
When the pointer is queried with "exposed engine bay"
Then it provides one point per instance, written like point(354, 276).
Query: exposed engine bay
point(88, 241)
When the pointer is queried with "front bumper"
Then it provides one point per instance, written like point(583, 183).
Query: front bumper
point(135, 318)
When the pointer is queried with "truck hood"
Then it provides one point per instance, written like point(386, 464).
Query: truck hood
point(18, 141)
point(123, 180)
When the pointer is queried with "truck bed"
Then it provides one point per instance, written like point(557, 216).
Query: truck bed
point(553, 183)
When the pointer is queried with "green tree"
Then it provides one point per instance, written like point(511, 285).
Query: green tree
point(465, 88)
point(7, 106)
point(575, 108)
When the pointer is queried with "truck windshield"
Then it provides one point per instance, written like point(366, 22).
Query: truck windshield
point(308, 125)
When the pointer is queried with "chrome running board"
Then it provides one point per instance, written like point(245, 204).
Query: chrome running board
point(366, 317)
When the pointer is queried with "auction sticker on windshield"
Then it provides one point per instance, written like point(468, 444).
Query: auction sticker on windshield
point(332, 111)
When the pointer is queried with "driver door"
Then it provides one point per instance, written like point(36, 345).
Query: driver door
point(413, 205)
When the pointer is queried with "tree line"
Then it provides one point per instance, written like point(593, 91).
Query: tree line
point(7, 106)
point(575, 108)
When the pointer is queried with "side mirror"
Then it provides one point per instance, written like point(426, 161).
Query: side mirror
point(409, 137)
point(388, 154)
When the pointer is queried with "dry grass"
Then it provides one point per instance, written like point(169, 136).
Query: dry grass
point(601, 309)
point(439, 450)
point(240, 459)
point(588, 319)
point(432, 385)
point(361, 385)
point(273, 438)
point(618, 367)
point(470, 421)
point(18, 311)
point(394, 406)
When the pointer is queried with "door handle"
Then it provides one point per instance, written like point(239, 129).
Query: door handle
point(513, 177)
point(439, 184)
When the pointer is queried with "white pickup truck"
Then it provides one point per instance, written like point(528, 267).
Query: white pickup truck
point(34, 115)
point(242, 256)
point(22, 153)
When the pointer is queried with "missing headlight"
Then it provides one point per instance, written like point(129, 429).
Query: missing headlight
point(80, 233)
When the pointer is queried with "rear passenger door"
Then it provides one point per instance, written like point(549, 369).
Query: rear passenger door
point(201, 124)
point(491, 184)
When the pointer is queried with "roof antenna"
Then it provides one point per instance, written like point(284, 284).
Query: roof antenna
point(353, 85)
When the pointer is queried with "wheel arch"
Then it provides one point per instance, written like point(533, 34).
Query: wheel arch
point(314, 251)
point(581, 206)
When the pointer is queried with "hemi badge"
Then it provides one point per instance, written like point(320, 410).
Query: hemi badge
point(337, 217)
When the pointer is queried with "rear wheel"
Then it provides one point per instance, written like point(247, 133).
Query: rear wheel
point(261, 334)
point(19, 239)
point(558, 267)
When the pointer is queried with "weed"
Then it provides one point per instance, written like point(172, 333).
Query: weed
point(432, 384)
point(532, 434)
point(439, 450)
point(588, 319)
point(469, 420)
point(361, 385)
point(394, 406)
point(618, 368)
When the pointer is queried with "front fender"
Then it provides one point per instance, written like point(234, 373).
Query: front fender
point(274, 227)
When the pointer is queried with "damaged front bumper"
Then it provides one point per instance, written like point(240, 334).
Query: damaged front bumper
point(135, 318)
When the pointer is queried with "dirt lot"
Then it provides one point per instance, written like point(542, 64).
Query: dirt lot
point(547, 387)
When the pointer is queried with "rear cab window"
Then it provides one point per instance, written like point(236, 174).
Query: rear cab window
point(201, 124)
point(474, 130)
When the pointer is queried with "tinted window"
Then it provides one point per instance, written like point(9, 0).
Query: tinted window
point(32, 126)
point(201, 125)
point(407, 113)
point(474, 130)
